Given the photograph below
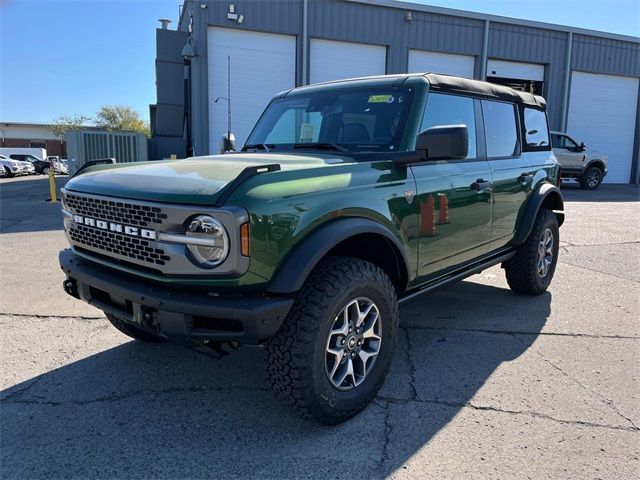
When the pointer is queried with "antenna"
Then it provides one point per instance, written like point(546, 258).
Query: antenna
point(229, 98)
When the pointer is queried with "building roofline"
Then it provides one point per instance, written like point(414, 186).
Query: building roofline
point(34, 124)
point(404, 5)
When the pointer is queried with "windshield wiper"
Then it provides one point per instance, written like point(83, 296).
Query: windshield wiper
point(259, 146)
point(322, 146)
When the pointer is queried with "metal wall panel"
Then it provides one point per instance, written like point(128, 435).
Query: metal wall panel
point(534, 45)
point(387, 25)
point(604, 55)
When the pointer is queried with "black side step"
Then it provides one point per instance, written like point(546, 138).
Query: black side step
point(241, 178)
point(458, 275)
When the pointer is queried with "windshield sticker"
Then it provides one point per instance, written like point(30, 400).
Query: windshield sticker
point(306, 133)
point(381, 99)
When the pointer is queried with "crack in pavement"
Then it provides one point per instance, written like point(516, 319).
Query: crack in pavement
point(40, 315)
point(569, 244)
point(114, 397)
point(528, 413)
point(510, 332)
point(609, 403)
point(388, 428)
point(412, 366)
point(598, 271)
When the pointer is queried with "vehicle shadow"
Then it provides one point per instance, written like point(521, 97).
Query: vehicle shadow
point(162, 411)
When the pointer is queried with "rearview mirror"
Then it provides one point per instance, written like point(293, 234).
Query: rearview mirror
point(444, 142)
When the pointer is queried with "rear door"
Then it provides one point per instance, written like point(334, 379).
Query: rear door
point(512, 176)
point(453, 195)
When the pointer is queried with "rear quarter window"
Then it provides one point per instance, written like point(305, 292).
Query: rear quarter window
point(536, 129)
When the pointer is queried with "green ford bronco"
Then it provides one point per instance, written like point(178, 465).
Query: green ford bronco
point(347, 199)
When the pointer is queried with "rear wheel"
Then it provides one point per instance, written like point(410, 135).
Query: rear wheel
point(45, 170)
point(133, 331)
point(592, 178)
point(531, 270)
point(330, 357)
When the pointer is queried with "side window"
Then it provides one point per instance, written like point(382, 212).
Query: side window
point(566, 142)
point(500, 128)
point(451, 110)
point(535, 127)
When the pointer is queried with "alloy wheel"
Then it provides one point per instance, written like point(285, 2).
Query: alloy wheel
point(545, 253)
point(593, 179)
point(353, 343)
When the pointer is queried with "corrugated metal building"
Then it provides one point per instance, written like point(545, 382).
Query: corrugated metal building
point(590, 79)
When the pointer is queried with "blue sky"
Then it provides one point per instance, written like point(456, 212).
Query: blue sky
point(61, 57)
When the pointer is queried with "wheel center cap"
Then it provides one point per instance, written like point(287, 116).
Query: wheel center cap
point(351, 343)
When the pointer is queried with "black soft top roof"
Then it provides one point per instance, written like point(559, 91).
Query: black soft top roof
point(447, 83)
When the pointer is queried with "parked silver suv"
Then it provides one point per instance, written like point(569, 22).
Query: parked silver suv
point(579, 162)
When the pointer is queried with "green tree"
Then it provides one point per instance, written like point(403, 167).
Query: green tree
point(64, 123)
point(121, 118)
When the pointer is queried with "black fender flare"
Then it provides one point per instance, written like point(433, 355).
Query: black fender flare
point(596, 162)
point(546, 195)
point(296, 267)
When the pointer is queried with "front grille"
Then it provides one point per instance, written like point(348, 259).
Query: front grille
point(135, 248)
point(127, 213)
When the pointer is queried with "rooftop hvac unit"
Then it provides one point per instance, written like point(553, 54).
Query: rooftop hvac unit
point(86, 145)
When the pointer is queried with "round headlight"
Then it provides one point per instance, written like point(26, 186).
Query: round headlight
point(210, 245)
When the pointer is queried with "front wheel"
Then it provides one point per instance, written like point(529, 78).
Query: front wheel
point(591, 179)
point(331, 355)
point(45, 171)
point(531, 270)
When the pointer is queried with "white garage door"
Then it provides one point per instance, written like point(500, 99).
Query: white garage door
point(435, 62)
point(331, 60)
point(516, 70)
point(262, 64)
point(602, 114)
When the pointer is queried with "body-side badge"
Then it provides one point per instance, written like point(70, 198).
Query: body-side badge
point(409, 194)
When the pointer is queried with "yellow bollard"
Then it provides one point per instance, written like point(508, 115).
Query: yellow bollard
point(52, 184)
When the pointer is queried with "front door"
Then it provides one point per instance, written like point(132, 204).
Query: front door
point(454, 195)
point(567, 151)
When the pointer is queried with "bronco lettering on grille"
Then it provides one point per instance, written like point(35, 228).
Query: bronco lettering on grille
point(115, 227)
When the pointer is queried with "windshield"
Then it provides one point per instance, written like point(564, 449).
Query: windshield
point(357, 120)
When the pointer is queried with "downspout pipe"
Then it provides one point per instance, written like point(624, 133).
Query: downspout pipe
point(305, 62)
point(485, 51)
point(567, 80)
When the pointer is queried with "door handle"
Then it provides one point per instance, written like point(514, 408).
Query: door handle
point(480, 185)
point(525, 178)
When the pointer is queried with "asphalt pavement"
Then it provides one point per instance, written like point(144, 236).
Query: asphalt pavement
point(485, 383)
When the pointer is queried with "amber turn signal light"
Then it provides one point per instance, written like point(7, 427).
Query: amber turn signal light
point(244, 239)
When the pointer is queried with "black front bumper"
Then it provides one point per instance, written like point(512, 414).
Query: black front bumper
point(178, 315)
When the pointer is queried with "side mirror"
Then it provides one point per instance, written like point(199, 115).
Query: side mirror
point(582, 146)
point(228, 144)
point(445, 142)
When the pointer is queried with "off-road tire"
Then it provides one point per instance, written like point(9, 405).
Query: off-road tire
point(295, 356)
point(591, 178)
point(132, 331)
point(522, 270)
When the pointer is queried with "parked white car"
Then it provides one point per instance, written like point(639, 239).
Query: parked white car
point(11, 167)
point(28, 168)
point(578, 162)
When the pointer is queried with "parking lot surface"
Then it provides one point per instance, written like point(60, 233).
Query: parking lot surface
point(485, 383)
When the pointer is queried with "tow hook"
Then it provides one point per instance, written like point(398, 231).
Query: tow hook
point(215, 349)
point(71, 287)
